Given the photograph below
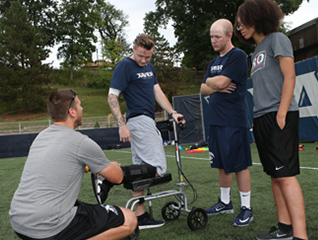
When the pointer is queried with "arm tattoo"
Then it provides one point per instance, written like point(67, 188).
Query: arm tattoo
point(114, 107)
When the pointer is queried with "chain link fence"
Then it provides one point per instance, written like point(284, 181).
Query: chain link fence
point(7, 128)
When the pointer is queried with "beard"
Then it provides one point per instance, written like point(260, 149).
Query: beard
point(78, 122)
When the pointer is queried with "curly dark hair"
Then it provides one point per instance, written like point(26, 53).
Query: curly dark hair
point(263, 15)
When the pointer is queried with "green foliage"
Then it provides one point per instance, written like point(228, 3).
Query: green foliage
point(85, 77)
point(93, 85)
point(111, 26)
point(97, 125)
point(113, 51)
point(192, 21)
point(42, 14)
point(76, 33)
point(60, 77)
point(289, 6)
point(23, 78)
point(169, 80)
point(100, 79)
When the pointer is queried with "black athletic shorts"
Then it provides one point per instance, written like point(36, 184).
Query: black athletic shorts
point(278, 148)
point(90, 220)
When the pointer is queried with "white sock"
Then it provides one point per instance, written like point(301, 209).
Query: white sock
point(246, 199)
point(225, 195)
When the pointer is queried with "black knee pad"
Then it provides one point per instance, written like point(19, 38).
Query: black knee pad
point(137, 172)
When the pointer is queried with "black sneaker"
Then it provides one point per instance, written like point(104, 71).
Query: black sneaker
point(276, 234)
point(104, 189)
point(147, 222)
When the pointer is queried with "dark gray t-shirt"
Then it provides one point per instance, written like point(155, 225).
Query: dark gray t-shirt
point(267, 76)
point(43, 204)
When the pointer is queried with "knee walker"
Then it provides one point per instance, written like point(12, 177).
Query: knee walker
point(197, 217)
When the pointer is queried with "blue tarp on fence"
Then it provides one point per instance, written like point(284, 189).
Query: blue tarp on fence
point(18, 145)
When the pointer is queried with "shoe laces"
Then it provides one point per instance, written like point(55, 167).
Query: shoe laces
point(219, 204)
point(222, 204)
point(245, 213)
point(274, 229)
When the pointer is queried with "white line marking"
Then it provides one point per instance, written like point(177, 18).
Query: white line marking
point(206, 159)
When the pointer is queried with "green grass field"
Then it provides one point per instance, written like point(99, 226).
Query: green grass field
point(197, 169)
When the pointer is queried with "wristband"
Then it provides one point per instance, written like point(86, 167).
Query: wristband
point(173, 112)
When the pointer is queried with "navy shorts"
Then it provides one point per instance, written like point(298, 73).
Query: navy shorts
point(278, 148)
point(90, 220)
point(229, 148)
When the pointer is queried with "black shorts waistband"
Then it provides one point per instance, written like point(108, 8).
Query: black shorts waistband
point(139, 114)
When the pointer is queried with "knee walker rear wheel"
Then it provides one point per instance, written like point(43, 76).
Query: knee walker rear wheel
point(170, 211)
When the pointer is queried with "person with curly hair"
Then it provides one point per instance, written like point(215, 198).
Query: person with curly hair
point(276, 114)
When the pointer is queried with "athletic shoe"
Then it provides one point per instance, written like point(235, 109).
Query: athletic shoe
point(220, 207)
point(104, 189)
point(147, 222)
point(276, 234)
point(244, 218)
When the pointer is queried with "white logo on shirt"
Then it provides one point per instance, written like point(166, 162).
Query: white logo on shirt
point(258, 62)
point(215, 69)
point(145, 75)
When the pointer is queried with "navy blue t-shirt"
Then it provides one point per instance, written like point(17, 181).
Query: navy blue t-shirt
point(137, 85)
point(226, 109)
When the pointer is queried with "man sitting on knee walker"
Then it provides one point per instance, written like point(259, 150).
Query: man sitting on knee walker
point(135, 77)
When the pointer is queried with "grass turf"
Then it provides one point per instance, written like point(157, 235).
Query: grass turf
point(197, 169)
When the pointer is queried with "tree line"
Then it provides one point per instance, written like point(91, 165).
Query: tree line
point(29, 28)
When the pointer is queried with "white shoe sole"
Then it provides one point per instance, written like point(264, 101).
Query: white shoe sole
point(150, 226)
point(222, 212)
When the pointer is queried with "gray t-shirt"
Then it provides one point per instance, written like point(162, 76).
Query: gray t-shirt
point(267, 76)
point(43, 204)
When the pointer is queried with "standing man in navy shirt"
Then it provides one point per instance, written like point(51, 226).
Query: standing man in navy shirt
point(135, 77)
point(229, 149)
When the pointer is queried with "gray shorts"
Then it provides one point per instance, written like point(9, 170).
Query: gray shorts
point(147, 143)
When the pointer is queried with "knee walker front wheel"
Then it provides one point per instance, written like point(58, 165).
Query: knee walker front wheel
point(197, 219)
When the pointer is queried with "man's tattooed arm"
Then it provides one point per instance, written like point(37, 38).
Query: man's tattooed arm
point(114, 107)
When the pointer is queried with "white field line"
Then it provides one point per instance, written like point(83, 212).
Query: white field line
point(196, 158)
point(206, 159)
